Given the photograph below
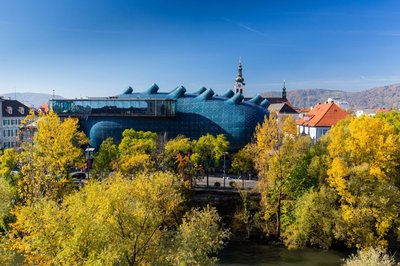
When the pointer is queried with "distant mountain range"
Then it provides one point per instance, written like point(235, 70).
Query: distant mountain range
point(30, 99)
point(379, 97)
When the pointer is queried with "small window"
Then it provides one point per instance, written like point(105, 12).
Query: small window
point(9, 109)
point(21, 110)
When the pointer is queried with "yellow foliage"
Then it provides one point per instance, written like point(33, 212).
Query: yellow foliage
point(56, 148)
point(277, 149)
point(116, 221)
point(365, 158)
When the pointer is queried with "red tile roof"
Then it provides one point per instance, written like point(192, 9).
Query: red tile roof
point(323, 115)
point(382, 110)
point(44, 108)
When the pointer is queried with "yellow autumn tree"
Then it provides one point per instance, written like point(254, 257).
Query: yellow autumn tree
point(118, 221)
point(277, 150)
point(136, 151)
point(365, 159)
point(45, 161)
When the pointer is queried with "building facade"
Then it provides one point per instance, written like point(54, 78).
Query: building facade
point(12, 113)
point(175, 113)
point(320, 119)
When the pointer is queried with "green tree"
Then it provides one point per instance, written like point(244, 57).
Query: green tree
point(247, 215)
point(8, 163)
point(105, 158)
point(277, 151)
point(197, 239)
point(243, 161)
point(208, 150)
point(118, 221)
point(7, 201)
point(177, 146)
point(137, 150)
point(392, 117)
point(315, 216)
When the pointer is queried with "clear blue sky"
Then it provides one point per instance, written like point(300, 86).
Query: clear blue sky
point(98, 48)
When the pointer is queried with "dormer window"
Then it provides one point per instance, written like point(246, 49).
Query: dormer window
point(9, 109)
point(21, 110)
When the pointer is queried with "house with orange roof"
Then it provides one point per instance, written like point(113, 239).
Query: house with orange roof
point(320, 119)
point(44, 108)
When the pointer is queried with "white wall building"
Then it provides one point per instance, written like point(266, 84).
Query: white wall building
point(320, 119)
point(11, 115)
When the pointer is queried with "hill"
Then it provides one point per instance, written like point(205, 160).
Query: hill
point(30, 99)
point(379, 97)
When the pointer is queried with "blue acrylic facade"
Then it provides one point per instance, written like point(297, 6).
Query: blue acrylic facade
point(174, 113)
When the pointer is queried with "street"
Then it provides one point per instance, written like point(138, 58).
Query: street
point(213, 179)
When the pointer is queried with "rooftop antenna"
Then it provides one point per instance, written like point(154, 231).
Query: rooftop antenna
point(54, 96)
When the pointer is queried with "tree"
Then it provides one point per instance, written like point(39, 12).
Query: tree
point(174, 150)
point(392, 117)
point(105, 158)
point(371, 256)
point(118, 221)
point(363, 172)
point(208, 150)
point(197, 238)
point(8, 163)
point(315, 217)
point(243, 161)
point(277, 150)
point(46, 161)
point(247, 214)
point(136, 151)
point(7, 201)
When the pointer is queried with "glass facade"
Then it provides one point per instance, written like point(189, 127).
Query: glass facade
point(114, 107)
point(180, 114)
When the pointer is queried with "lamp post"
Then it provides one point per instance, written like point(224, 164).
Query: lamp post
point(225, 153)
point(89, 157)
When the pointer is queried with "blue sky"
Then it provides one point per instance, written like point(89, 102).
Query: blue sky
point(98, 48)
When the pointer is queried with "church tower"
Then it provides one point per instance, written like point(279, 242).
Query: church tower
point(284, 90)
point(239, 81)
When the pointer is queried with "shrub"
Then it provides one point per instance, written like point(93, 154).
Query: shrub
point(232, 184)
point(371, 257)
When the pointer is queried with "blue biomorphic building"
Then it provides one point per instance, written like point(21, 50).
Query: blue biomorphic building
point(173, 113)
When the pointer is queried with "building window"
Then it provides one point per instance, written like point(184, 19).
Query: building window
point(9, 110)
point(21, 110)
point(324, 131)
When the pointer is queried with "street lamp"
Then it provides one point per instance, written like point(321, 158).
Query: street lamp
point(224, 177)
point(89, 157)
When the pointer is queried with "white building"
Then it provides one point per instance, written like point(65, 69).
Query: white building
point(320, 119)
point(342, 104)
point(11, 115)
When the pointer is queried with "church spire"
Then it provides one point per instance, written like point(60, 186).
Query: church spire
point(284, 90)
point(239, 81)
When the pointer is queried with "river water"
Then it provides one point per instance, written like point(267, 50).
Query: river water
point(257, 254)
